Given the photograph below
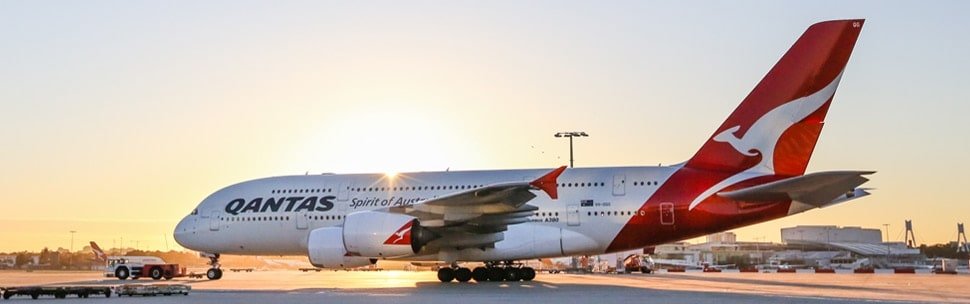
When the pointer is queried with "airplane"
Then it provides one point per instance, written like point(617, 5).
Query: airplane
point(751, 170)
point(99, 255)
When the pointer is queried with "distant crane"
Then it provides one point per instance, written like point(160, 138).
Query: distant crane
point(910, 237)
point(962, 245)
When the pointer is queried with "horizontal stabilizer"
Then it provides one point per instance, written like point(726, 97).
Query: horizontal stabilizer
point(817, 189)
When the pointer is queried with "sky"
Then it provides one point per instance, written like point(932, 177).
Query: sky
point(119, 117)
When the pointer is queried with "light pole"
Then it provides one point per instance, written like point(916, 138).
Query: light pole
point(72, 247)
point(887, 232)
point(888, 251)
point(571, 135)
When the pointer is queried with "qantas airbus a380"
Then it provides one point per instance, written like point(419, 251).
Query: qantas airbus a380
point(751, 170)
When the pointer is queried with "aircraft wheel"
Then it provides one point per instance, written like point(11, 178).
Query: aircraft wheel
point(480, 274)
point(463, 274)
point(513, 274)
point(446, 274)
point(122, 273)
point(496, 274)
point(528, 274)
point(213, 274)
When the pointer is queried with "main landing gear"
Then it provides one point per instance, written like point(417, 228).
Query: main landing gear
point(493, 271)
point(215, 272)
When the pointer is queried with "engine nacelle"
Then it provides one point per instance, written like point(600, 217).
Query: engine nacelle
point(325, 248)
point(384, 235)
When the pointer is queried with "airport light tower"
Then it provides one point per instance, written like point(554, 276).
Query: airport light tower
point(571, 135)
point(71, 261)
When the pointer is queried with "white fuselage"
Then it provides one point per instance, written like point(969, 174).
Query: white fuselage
point(593, 205)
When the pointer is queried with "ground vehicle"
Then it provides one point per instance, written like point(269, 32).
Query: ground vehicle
point(134, 267)
point(59, 292)
point(152, 289)
point(124, 267)
point(636, 262)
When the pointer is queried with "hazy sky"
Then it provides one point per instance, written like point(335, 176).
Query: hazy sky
point(120, 116)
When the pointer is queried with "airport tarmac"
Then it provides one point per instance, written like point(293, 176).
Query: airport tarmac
point(422, 287)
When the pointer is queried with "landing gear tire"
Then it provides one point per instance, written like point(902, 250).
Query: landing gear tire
point(496, 274)
point(513, 274)
point(213, 274)
point(446, 274)
point(463, 274)
point(480, 274)
point(528, 273)
point(122, 273)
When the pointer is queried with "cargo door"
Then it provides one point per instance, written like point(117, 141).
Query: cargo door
point(214, 220)
point(619, 185)
point(572, 215)
point(301, 221)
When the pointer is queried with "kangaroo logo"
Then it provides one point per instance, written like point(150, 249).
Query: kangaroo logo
point(762, 137)
point(401, 237)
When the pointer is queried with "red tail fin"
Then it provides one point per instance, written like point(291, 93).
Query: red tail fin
point(776, 127)
point(98, 253)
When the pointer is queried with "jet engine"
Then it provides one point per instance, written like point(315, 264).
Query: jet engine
point(325, 248)
point(384, 235)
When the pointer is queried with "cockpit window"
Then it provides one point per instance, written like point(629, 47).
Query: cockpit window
point(195, 212)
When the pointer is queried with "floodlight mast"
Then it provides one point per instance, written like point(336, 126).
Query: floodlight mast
point(571, 135)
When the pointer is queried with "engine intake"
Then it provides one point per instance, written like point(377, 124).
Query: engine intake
point(325, 248)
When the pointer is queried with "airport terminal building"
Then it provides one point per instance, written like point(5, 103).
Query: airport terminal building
point(801, 247)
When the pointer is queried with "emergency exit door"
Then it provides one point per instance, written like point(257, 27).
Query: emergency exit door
point(666, 213)
point(619, 185)
point(301, 221)
point(572, 215)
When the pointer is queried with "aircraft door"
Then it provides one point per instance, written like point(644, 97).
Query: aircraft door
point(619, 185)
point(666, 213)
point(572, 215)
point(214, 221)
point(301, 221)
point(343, 192)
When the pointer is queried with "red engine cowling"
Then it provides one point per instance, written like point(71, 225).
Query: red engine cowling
point(325, 248)
point(384, 235)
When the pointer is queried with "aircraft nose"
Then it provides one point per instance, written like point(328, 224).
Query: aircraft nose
point(185, 233)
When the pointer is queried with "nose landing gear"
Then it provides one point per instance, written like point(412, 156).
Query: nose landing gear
point(499, 271)
point(215, 272)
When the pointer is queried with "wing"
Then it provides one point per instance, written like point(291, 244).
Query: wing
point(477, 217)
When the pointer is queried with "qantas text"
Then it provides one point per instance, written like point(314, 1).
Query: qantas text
point(286, 204)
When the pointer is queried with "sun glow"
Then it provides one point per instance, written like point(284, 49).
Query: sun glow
point(383, 137)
